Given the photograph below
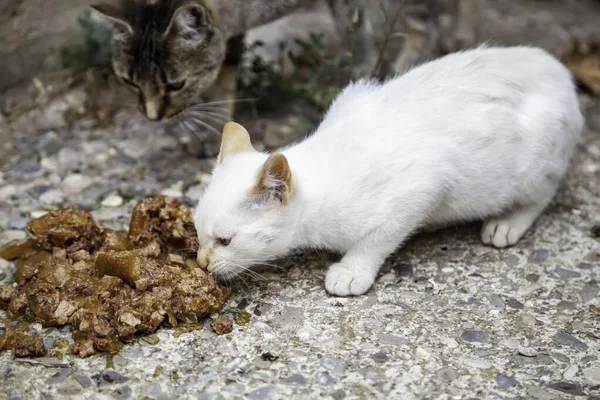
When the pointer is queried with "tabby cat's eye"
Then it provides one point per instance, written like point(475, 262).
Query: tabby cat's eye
point(224, 241)
point(174, 86)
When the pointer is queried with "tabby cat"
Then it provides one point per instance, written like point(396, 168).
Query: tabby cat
point(173, 53)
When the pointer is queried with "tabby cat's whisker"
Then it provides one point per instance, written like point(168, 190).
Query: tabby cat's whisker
point(234, 101)
point(222, 113)
point(199, 122)
point(220, 120)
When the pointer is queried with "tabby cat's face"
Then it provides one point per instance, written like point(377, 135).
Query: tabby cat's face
point(167, 52)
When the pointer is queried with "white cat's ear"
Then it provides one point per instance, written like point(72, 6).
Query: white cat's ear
point(189, 17)
point(274, 180)
point(235, 139)
point(115, 15)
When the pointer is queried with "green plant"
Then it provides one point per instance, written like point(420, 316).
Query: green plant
point(388, 26)
point(94, 51)
point(317, 76)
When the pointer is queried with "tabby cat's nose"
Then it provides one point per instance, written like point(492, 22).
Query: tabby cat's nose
point(153, 111)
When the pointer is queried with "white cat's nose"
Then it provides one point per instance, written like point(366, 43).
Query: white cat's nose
point(210, 268)
point(202, 259)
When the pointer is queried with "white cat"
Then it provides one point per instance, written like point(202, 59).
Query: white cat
point(482, 134)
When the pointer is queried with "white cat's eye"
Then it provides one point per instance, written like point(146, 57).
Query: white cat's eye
point(174, 86)
point(224, 241)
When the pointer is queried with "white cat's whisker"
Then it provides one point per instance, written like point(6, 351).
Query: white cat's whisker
point(259, 263)
point(249, 271)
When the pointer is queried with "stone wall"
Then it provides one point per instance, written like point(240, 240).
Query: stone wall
point(32, 32)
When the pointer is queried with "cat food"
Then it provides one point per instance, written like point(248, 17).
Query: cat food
point(222, 325)
point(109, 286)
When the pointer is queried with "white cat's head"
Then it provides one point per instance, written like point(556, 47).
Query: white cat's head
point(241, 219)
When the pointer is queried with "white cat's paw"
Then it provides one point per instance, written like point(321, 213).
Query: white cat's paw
point(343, 281)
point(501, 233)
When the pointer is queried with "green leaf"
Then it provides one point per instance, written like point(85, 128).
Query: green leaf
point(383, 13)
point(355, 16)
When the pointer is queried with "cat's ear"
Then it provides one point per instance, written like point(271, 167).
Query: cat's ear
point(189, 17)
point(235, 139)
point(274, 180)
point(114, 14)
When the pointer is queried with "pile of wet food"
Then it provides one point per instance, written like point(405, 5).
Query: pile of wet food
point(109, 286)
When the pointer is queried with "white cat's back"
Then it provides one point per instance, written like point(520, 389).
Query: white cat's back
point(472, 133)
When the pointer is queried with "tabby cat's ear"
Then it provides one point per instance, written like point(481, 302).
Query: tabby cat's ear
point(189, 17)
point(236, 139)
point(274, 181)
point(115, 14)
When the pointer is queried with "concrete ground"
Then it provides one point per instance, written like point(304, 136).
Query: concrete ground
point(449, 318)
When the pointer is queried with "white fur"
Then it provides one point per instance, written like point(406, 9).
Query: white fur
point(481, 134)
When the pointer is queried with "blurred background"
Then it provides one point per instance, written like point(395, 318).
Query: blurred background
point(73, 132)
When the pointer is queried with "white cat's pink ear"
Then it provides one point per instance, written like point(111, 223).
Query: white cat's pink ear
point(235, 139)
point(189, 17)
point(114, 14)
point(274, 180)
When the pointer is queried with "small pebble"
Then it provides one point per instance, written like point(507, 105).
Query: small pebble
point(112, 201)
point(506, 382)
point(324, 379)
point(528, 351)
point(568, 387)
point(561, 357)
point(564, 339)
point(121, 393)
point(263, 393)
point(566, 273)
point(516, 304)
point(332, 364)
point(475, 336)
point(570, 372)
point(566, 305)
point(26, 167)
point(422, 353)
point(49, 163)
point(478, 364)
point(84, 381)
point(234, 388)
point(109, 378)
point(10, 235)
point(294, 380)
point(589, 292)
point(76, 183)
point(593, 375)
point(392, 339)
point(379, 357)
point(171, 193)
point(527, 319)
point(585, 265)
point(539, 256)
point(52, 198)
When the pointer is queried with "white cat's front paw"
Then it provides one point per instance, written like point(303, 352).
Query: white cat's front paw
point(501, 233)
point(343, 281)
